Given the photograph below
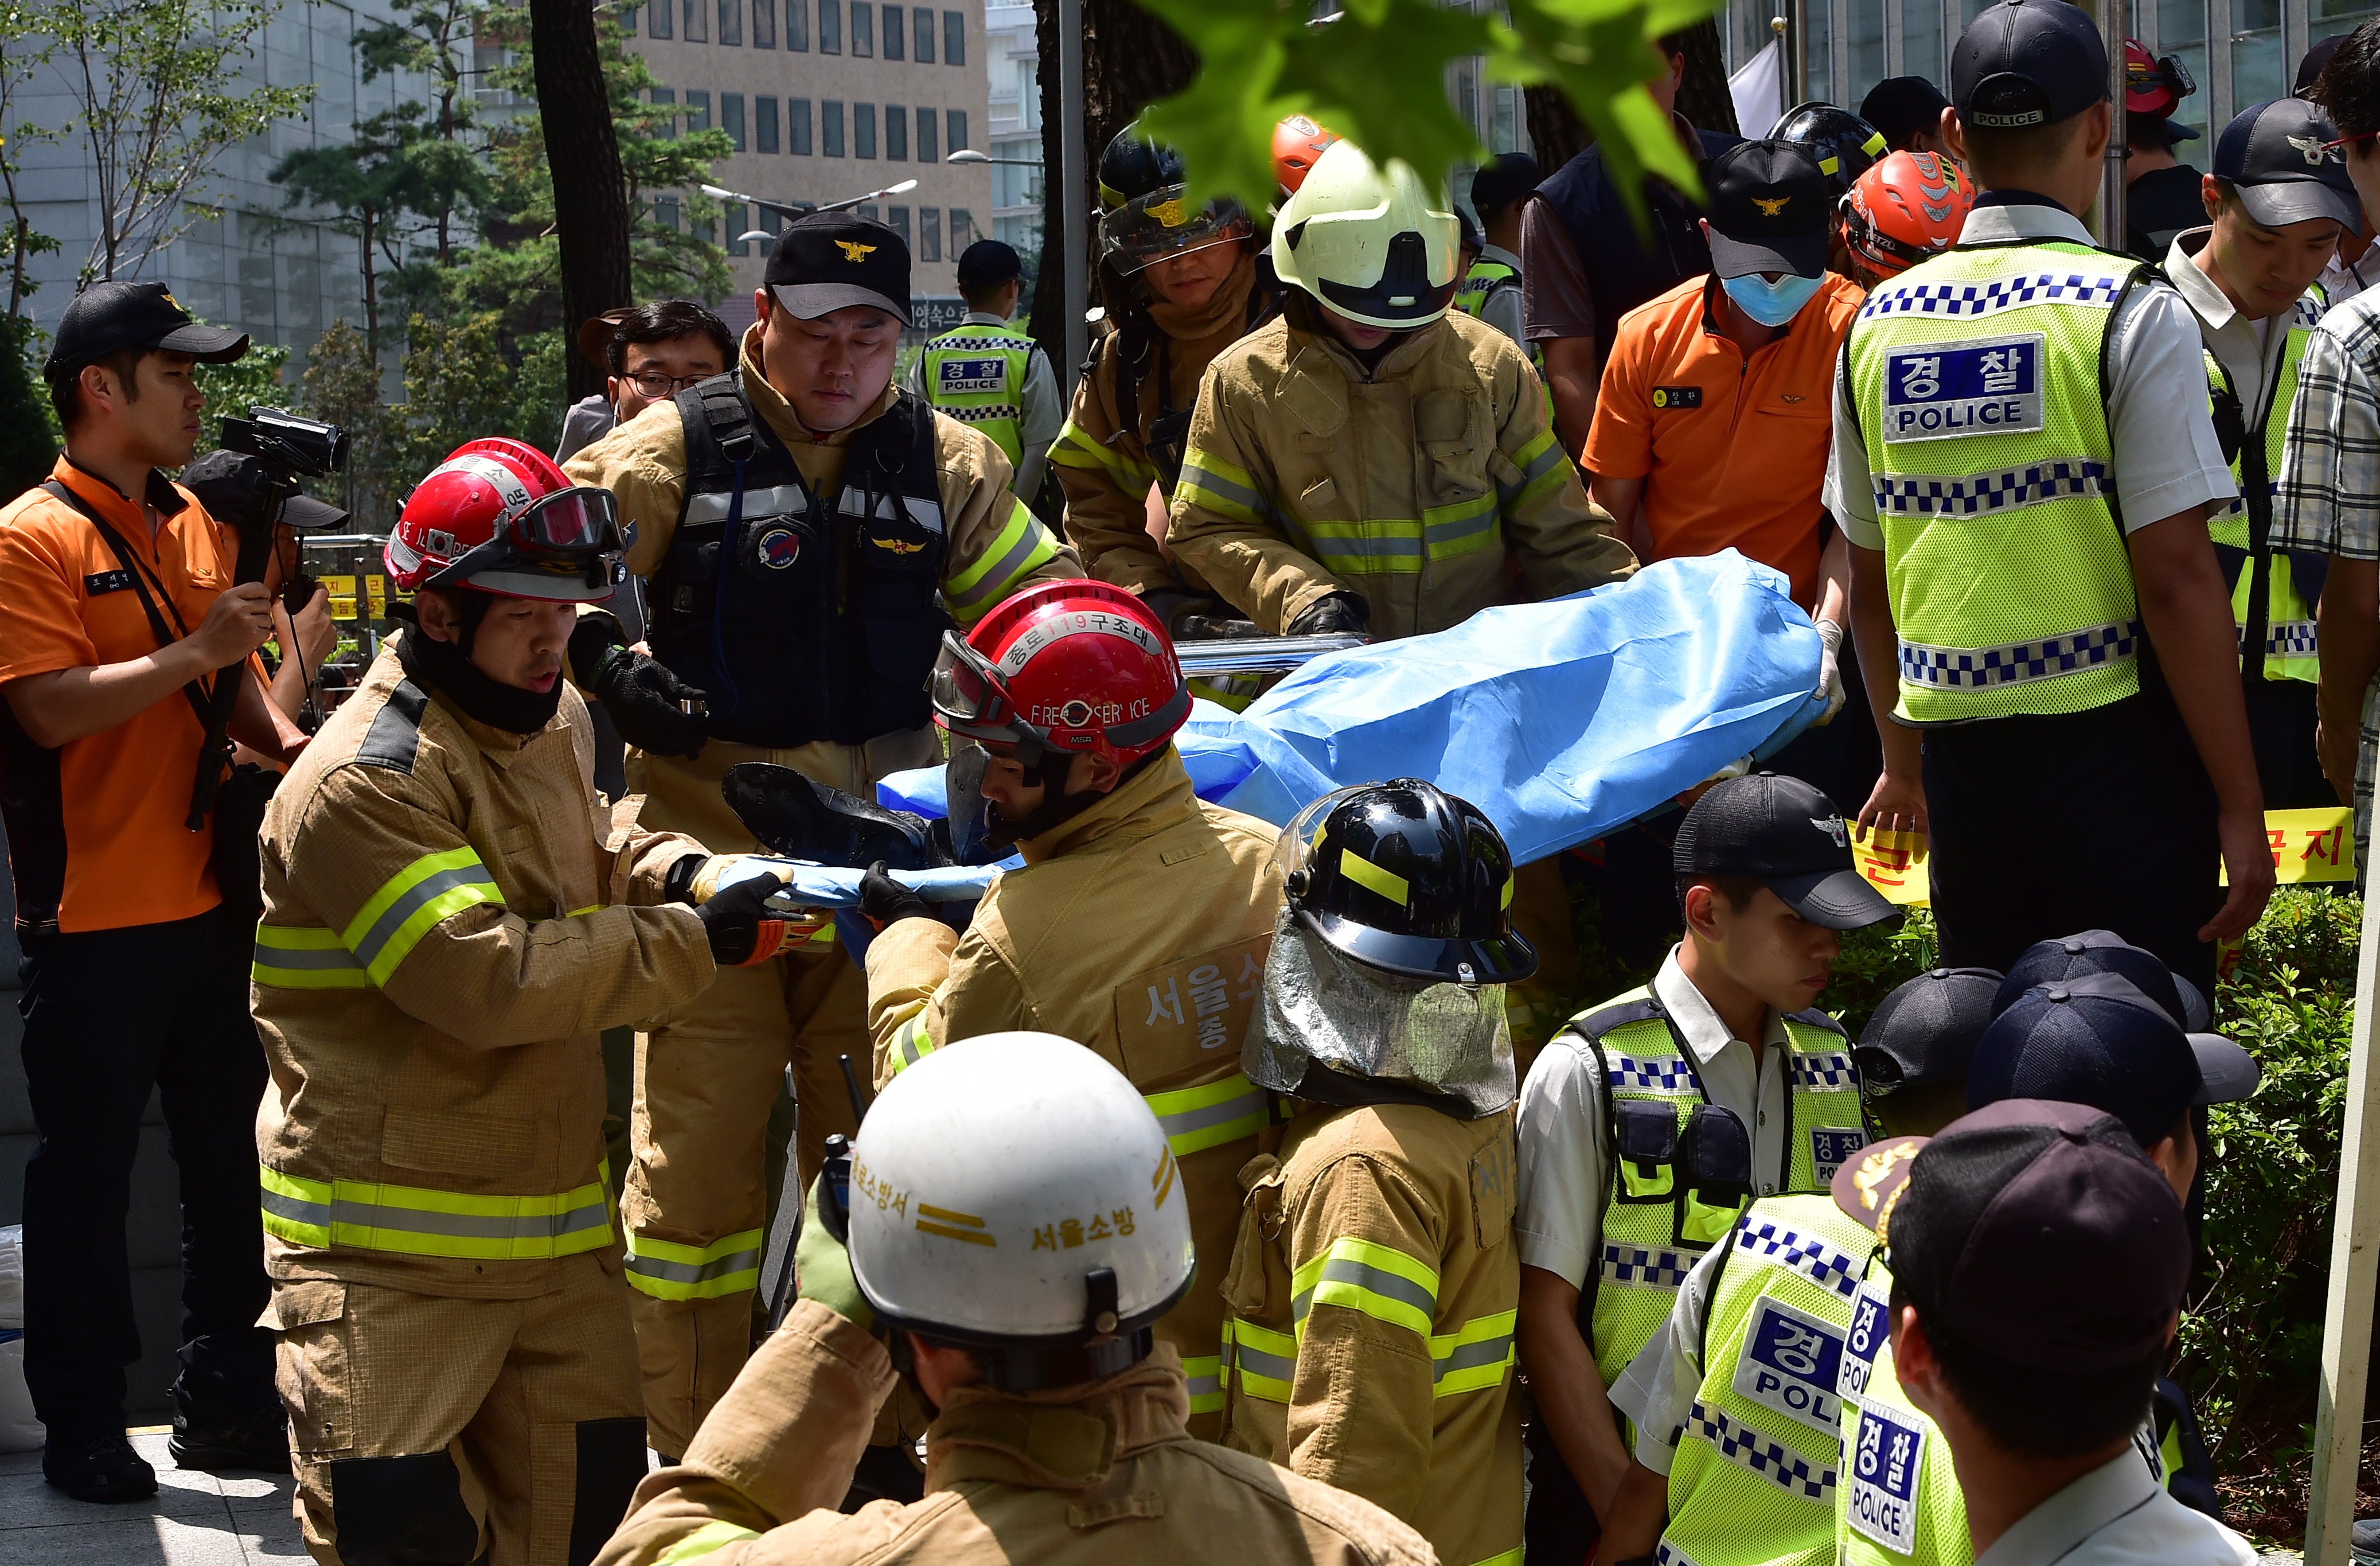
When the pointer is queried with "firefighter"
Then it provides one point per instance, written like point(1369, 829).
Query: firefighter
point(449, 921)
point(1180, 286)
point(1373, 1287)
point(1906, 208)
point(1016, 1224)
point(1139, 924)
point(804, 527)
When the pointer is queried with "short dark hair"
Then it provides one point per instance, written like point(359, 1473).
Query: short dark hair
point(1673, 44)
point(2036, 1414)
point(979, 293)
point(2349, 88)
point(65, 382)
point(2146, 133)
point(664, 321)
point(1738, 890)
point(2000, 156)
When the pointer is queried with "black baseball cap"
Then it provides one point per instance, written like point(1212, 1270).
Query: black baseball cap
point(828, 262)
point(108, 316)
point(1768, 210)
point(1926, 1031)
point(1788, 836)
point(2278, 159)
point(2028, 62)
point(1507, 177)
point(2040, 1234)
point(2103, 950)
point(2096, 1040)
point(1901, 105)
point(2309, 69)
point(232, 485)
point(989, 261)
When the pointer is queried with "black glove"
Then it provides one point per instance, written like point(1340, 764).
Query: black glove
point(1331, 613)
point(645, 701)
point(883, 901)
point(1208, 627)
point(738, 925)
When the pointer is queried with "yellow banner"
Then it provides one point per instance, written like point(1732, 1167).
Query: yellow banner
point(2308, 847)
point(377, 587)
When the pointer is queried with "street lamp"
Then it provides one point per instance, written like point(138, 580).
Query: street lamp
point(964, 156)
point(721, 193)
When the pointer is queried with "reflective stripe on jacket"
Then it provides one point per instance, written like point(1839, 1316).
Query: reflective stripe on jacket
point(449, 920)
point(976, 373)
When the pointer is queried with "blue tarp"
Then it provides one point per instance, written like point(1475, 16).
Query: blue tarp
point(1560, 719)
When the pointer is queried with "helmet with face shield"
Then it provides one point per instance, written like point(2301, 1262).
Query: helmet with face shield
point(500, 517)
point(1147, 218)
point(1369, 242)
point(1064, 668)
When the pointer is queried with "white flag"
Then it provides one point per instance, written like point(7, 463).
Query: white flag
point(1759, 91)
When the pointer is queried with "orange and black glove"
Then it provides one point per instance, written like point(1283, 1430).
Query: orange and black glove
point(741, 928)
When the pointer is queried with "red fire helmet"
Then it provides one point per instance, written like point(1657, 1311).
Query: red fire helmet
point(1073, 666)
point(1909, 206)
point(501, 518)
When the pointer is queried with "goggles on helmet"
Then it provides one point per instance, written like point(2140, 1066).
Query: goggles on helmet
point(974, 701)
point(1877, 245)
point(1160, 225)
point(573, 532)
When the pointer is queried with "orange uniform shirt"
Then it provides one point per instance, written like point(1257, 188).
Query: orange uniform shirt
point(95, 833)
point(1731, 448)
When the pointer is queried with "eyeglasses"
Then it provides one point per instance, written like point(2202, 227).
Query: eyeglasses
point(2349, 140)
point(660, 383)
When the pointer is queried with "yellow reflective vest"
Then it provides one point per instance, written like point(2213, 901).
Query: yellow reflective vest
point(449, 920)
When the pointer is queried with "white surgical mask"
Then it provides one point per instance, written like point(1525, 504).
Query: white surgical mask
point(1771, 304)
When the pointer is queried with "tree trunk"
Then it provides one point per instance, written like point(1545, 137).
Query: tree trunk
point(582, 153)
point(1130, 59)
point(1702, 98)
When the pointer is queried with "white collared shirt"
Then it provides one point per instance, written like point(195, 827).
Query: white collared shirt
point(2116, 1515)
point(2342, 281)
point(2167, 458)
point(2250, 350)
point(1565, 1166)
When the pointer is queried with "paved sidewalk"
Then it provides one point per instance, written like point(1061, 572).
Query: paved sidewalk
point(193, 1520)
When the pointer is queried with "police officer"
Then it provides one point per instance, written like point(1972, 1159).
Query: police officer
point(2064, 655)
point(1752, 1350)
point(1652, 1119)
point(1139, 924)
point(2249, 278)
point(1016, 1225)
point(1180, 286)
point(1373, 1285)
point(988, 373)
point(449, 920)
point(804, 527)
point(1491, 284)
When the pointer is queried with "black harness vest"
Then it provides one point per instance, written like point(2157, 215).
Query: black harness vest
point(801, 616)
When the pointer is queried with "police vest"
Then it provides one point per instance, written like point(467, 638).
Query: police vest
point(803, 617)
point(1484, 278)
point(1897, 1501)
point(1977, 382)
point(1756, 1472)
point(2292, 581)
point(1666, 1204)
point(976, 373)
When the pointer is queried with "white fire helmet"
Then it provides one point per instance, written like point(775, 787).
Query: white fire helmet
point(1013, 1195)
point(1369, 242)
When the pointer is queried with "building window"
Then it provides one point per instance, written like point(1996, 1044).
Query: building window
point(798, 126)
point(954, 38)
point(896, 124)
point(926, 135)
point(764, 24)
point(929, 233)
point(958, 125)
point(764, 122)
point(897, 216)
point(797, 25)
point(731, 22)
point(830, 127)
point(962, 230)
point(697, 21)
point(863, 130)
point(661, 14)
point(668, 127)
point(922, 35)
point(739, 223)
point(830, 26)
point(731, 118)
point(665, 213)
point(863, 29)
point(892, 14)
point(698, 110)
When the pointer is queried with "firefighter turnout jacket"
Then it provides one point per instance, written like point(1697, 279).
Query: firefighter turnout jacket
point(1128, 428)
point(449, 921)
point(1140, 929)
point(1424, 484)
point(803, 581)
point(1080, 1475)
point(1373, 1295)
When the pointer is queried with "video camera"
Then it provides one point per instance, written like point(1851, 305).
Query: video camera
point(302, 447)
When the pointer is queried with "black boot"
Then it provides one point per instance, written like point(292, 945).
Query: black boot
point(97, 1465)
point(254, 1438)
